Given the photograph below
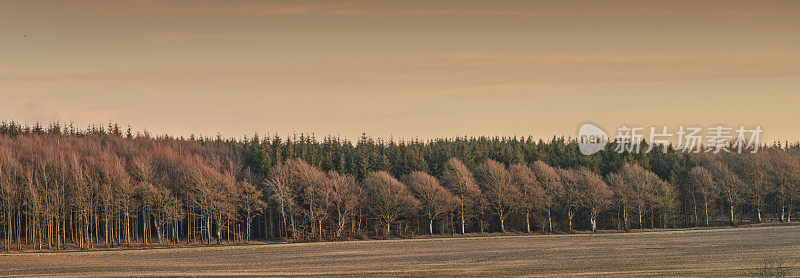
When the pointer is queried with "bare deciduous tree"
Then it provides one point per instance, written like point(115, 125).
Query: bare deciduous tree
point(551, 182)
point(434, 199)
point(784, 173)
point(388, 198)
point(460, 181)
point(532, 194)
point(252, 204)
point(499, 192)
point(569, 195)
point(595, 194)
point(347, 196)
point(729, 186)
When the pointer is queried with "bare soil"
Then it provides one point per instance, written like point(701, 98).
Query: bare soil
point(713, 252)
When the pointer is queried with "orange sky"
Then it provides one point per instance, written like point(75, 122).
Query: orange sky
point(401, 69)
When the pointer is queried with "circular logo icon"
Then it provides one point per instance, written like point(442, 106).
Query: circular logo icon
point(591, 139)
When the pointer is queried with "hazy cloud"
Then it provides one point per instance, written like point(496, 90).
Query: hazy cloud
point(417, 8)
point(456, 65)
point(185, 37)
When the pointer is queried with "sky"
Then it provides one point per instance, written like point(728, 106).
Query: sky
point(401, 69)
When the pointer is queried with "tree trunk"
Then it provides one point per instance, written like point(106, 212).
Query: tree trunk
point(430, 225)
point(19, 230)
point(549, 220)
point(570, 214)
point(207, 238)
point(291, 219)
point(694, 209)
point(96, 228)
point(758, 213)
point(175, 226)
point(705, 203)
point(502, 223)
point(462, 217)
point(641, 226)
point(49, 233)
point(248, 225)
point(219, 229)
point(108, 243)
point(86, 223)
point(341, 220)
point(313, 219)
point(528, 221)
point(452, 226)
point(268, 230)
point(9, 231)
point(732, 219)
point(158, 230)
point(625, 217)
point(188, 226)
point(652, 218)
point(283, 215)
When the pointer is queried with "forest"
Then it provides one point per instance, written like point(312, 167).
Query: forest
point(104, 187)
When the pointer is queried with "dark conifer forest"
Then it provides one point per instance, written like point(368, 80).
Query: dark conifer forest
point(105, 186)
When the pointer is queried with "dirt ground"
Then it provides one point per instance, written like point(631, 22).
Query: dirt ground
point(715, 252)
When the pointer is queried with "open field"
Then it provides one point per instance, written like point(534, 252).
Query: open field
point(717, 252)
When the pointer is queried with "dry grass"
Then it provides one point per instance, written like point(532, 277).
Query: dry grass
point(716, 252)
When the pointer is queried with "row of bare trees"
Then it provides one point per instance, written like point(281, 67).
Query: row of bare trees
point(301, 191)
point(99, 190)
point(485, 197)
point(59, 191)
point(769, 178)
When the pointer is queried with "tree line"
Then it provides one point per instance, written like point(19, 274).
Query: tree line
point(63, 188)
